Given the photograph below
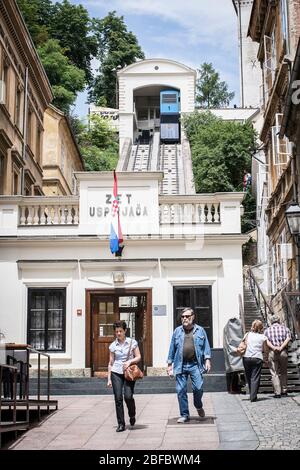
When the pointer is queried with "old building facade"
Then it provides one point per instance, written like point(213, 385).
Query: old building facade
point(275, 27)
point(61, 155)
point(25, 93)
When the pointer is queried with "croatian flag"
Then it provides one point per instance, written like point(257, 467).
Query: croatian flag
point(116, 237)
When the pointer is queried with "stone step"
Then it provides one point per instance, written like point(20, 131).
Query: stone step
point(97, 386)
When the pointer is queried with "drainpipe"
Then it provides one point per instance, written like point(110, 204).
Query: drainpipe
point(241, 55)
point(24, 128)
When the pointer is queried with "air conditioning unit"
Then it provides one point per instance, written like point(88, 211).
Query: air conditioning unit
point(2, 91)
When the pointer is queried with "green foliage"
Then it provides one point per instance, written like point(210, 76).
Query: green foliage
point(211, 92)
point(99, 145)
point(65, 78)
point(72, 27)
point(37, 15)
point(221, 152)
point(117, 48)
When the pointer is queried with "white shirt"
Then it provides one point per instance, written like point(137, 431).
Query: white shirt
point(255, 343)
point(120, 351)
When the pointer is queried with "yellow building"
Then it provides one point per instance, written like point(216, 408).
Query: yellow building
point(61, 155)
point(25, 93)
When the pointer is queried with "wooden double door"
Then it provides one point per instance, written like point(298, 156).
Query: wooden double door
point(105, 308)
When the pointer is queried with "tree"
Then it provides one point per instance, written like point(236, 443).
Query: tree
point(99, 145)
point(117, 47)
point(73, 28)
point(37, 15)
point(66, 79)
point(210, 91)
point(221, 152)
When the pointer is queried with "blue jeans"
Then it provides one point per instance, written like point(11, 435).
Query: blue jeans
point(192, 369)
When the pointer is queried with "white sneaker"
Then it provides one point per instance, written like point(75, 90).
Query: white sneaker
point(183, 419)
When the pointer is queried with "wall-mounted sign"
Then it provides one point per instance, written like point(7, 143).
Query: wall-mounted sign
point(159, 310)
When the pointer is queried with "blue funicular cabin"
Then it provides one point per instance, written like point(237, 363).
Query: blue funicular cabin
point(156, 112)
point(169, 116)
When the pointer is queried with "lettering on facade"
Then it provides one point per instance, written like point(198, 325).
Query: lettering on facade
point(128, 208)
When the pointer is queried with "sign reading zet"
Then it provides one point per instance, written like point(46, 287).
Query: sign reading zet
point(128, 207)
point(138, 210)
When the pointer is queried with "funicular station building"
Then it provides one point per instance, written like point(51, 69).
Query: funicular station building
point(62, 289)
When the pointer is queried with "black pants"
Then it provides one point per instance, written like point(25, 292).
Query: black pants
point(253, 367)
point(118, 383)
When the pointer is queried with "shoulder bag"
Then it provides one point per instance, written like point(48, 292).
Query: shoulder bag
point(241, 349)
point(133, 372)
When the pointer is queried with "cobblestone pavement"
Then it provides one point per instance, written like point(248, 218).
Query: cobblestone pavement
point(276, 422)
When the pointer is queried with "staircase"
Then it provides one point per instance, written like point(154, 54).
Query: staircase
point(252, 312)
point(214, 382)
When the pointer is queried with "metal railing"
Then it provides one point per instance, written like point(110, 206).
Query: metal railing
point(260, 298)
point(242, 313)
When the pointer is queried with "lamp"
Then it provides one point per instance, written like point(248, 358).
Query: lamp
point(292, 215)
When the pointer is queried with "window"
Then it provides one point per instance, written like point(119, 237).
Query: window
point(15, 181)
point(38, 144)
point(18, 107)
point(4, 83)
point(281, 148)
point(284, 24)
point(29, 127)
point(47, 319)
point(2, 174)
point(283, 248)
point(62, 157)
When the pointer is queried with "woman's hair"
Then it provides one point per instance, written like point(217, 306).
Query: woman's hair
point(120, 324)
point(257, 326)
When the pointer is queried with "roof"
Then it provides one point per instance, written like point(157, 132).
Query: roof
point(140, 63)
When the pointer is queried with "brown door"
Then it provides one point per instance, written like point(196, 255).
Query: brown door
point(104, 313)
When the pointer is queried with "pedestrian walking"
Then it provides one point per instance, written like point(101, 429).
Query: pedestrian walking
point(189, 355)
point(122, 353)
point(256, 343)
point(279, 337)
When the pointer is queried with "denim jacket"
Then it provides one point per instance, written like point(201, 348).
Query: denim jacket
point(202, 348)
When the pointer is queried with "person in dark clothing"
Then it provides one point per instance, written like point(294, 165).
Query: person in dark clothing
point(118, 362)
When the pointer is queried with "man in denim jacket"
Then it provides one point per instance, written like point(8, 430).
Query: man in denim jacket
point(189, 354)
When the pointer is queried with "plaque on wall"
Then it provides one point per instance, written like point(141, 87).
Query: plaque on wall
point(159, 310)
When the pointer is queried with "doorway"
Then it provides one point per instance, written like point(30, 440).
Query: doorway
point(200, 300)
point(106, 307)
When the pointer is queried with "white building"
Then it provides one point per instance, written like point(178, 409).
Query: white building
point(61, 289)
point(250, 71)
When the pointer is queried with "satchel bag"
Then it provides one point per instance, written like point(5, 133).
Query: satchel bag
point(241, 349)
point(133, 372)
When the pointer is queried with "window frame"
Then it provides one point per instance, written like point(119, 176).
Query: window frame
point(46, 291)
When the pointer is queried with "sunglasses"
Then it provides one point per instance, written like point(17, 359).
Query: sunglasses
point(185, 316)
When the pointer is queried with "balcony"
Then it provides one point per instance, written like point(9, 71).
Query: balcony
point(197, 214)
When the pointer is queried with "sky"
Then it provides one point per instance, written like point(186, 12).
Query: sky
point(188, 31)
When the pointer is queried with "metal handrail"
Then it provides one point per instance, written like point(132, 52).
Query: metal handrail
point(39, 353)
point(295, 327)
point(260, 298)
point(15, 371)
point(242, 313)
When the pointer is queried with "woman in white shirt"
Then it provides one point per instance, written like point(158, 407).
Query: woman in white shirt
point(256, 343)
point(118, 362)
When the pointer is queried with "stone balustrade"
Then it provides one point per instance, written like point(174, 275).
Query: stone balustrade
point(199, 211)
point(49, 211)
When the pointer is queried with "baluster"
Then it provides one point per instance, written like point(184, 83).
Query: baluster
point(55, 217)
point(42, 216)
point(76, 216)
point(69, 215)
point(209, 213)
point(23, 218)
point(29, 218)
point(200, 213)
point(36, 215)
